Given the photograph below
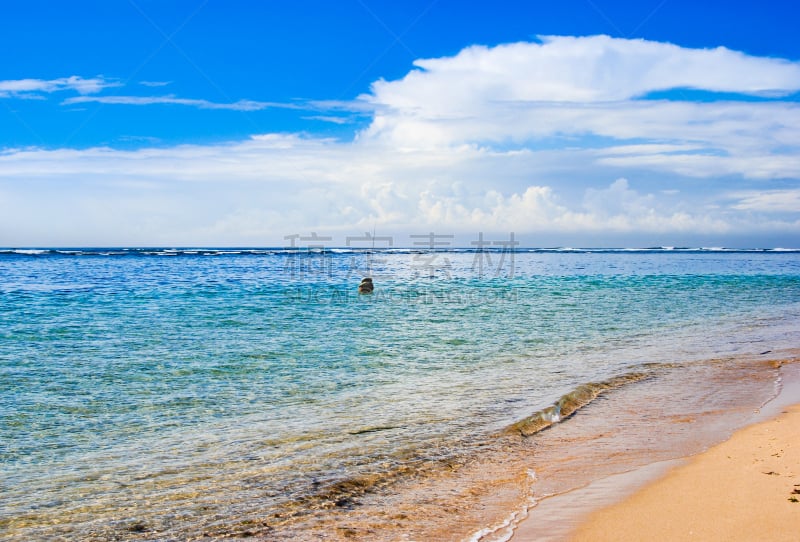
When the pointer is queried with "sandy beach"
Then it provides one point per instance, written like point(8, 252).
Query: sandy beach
point(747, 488)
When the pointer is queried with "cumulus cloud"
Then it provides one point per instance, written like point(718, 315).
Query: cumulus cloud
point(579, 70)
point(258, 191)
point(528, 94)
point(554, 136)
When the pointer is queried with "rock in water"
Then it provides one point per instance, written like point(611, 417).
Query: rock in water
point(366, 286)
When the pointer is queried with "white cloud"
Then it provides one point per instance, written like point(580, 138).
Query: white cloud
point(257, 191)
point(544, 138)
point(241, 105)
point(329, 118)
point(579, 70)
point(616, 208)
point(575, 89)
point(35, 87)
point(774, 201)
point(617, 199)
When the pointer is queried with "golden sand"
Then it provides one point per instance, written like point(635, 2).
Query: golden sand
point(745, 489)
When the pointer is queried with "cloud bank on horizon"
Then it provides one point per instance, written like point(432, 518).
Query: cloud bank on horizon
point(565, 139)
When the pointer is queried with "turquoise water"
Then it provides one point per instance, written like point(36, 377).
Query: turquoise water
point(170, 391)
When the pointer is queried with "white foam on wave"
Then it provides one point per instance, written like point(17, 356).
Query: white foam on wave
point(504, 531)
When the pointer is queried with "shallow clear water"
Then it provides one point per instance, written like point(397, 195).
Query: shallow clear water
point(183, 392)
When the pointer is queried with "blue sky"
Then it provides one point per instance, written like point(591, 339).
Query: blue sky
point(581, 123)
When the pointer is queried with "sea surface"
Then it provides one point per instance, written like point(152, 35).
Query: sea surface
point(181, 394)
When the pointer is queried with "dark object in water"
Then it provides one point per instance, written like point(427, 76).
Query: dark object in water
point(366, 286)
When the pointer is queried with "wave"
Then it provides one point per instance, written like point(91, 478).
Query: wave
point(25, 251)
point(348, 251)
point(345, 492)
point(570, 403)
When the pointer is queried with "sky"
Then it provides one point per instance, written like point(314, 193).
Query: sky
point(584, 123)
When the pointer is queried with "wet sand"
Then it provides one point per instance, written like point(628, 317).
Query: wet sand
point(541, 487)
point(742, 489)
point(747, 488)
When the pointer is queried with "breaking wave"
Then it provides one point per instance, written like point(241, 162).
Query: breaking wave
point(570, 403)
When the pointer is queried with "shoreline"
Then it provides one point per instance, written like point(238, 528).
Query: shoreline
point(166, 402)
point(680, 409)
point(541, 487)
point(732, 490)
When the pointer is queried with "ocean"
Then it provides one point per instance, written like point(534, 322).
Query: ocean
point(196, 394)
